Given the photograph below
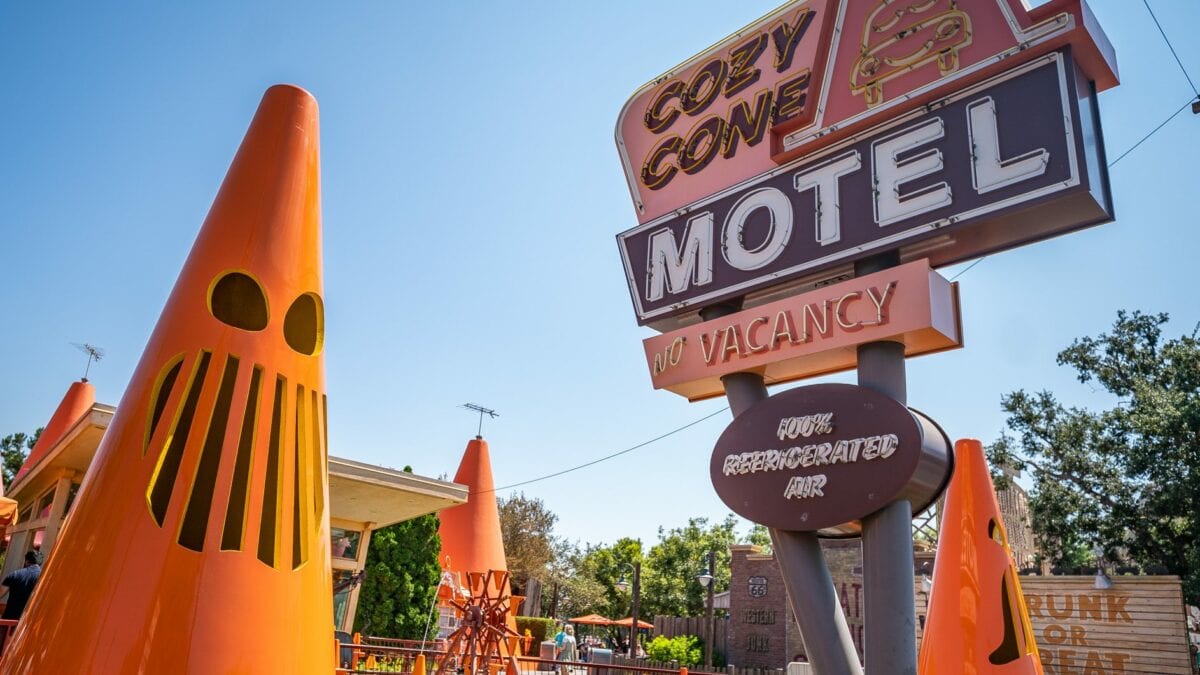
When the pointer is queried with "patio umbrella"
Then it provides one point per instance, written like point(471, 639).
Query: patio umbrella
point(628, 621)
point(593, 620)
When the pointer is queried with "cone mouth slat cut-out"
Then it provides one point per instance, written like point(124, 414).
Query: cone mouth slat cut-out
point(202, 522)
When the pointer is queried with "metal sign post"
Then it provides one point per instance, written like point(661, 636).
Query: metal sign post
point(823, 628)
point(890, 606)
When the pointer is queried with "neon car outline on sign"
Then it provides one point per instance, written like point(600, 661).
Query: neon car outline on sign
point(952, 25)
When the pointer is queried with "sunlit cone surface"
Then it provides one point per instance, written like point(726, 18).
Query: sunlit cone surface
point(471, 540)
point(199, 542)
point(977, 620)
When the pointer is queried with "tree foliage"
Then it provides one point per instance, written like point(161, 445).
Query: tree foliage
point(1126, 479)
point(669, 585)
point(14, 448)
point(530, 547)
point(403, 574)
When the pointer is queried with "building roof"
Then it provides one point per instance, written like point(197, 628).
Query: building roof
point(383, 496)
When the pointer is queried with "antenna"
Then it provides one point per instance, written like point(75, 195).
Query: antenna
point(482, 411)
point(94, 354)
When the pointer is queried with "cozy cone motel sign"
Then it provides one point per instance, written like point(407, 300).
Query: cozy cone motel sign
point(830, 131)
point(826, 133)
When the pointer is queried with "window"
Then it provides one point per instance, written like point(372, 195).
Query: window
point(447, 621)
point(45, 503)
point(74, 489)
point(341, 597)
point(25, 515)
point(345, 543)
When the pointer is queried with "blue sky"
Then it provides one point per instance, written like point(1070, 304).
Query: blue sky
point(472, 192)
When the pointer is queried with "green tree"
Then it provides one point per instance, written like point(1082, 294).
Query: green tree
point(669, 585)
point(396, 599)
point(1125, 479)
point(530, 547)
point(14, 448)
point(761, 537)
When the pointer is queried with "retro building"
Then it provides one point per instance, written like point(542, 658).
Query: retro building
point(363, 497)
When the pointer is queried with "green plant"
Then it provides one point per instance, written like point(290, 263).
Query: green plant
point(540, 628)
point(685, 649)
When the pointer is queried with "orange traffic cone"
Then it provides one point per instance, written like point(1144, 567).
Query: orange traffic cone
point(78, 400)
point(470, 533)
point(202, 523)
point(977, 621)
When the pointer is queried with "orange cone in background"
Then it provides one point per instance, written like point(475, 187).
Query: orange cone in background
point(470, 533)
point(977, 621)
point(472, 545)
point(76, 403)
point(199, 541)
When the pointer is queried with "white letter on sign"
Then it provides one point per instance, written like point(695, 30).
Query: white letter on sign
point(676, 266)
point(779, 229)
point(988, 171)
point(890, 173)
point(823, 181)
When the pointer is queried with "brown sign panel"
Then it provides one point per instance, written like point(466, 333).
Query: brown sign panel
point(820, 458)
point(1009, 161)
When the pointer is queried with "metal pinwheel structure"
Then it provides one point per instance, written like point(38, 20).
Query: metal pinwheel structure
point(483, 631)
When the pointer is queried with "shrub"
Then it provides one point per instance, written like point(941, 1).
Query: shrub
point(541, 628)
point(685, 649)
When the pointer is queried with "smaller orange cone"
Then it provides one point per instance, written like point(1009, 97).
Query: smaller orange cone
point(471, 532)
point(79, 399)
point(977, 621)
point(419, 665)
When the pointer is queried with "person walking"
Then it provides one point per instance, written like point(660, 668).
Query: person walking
point(20, 585)
point(566, 649)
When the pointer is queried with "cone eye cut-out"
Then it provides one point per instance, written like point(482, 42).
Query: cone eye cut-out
point(237, 300)
point(304, 324)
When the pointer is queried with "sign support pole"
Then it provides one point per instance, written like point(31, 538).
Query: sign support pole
point(813, 598)
point(889, 605)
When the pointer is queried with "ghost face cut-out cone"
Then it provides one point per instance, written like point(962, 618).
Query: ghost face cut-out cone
point(202, 528)
point(977, 620)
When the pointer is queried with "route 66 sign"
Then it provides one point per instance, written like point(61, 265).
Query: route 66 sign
point(758, 587)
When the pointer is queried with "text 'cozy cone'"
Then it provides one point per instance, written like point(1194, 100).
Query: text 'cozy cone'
point(199, 542)
point(977, 622)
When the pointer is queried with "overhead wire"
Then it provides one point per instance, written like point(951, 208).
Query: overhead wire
point(1110, 165)
point(1172, 48)
point(606, 457)
point(956, 276)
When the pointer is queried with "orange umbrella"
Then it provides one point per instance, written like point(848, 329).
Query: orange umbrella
point(628, 621)
point(593, 620)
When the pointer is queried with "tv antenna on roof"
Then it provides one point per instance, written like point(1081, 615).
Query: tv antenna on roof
point(94, 354)
point(482, 411)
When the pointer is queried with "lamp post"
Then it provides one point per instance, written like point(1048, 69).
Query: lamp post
point(706, 580)
point(637, 592)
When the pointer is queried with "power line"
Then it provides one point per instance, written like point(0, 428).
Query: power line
point(1152, 132)
point(1110, 164)
point(968, 269)
point(1171, 47)
point(606, 457)
point(956, 276)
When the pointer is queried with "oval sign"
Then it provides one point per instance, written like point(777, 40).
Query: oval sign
point(822, 457)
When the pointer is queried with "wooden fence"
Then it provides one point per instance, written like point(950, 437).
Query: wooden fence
point(670, 626)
